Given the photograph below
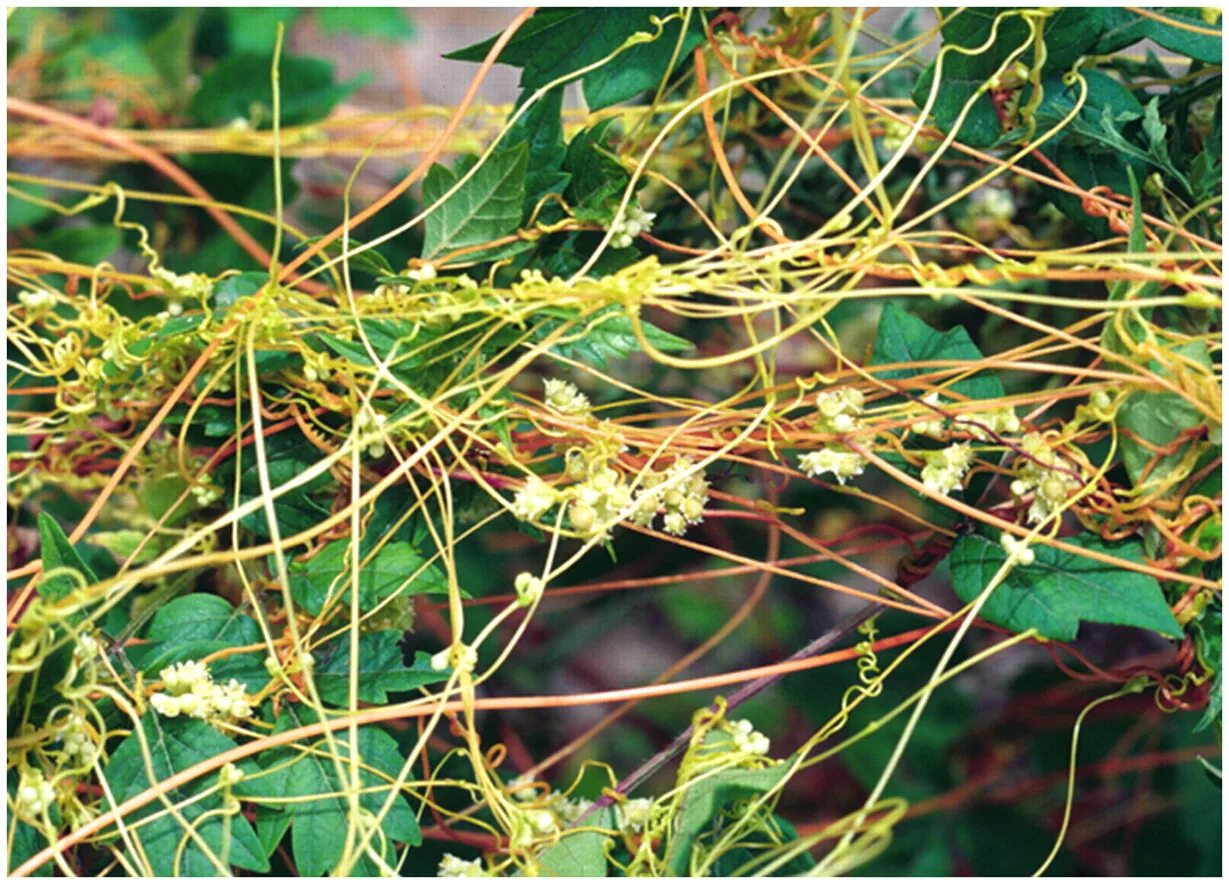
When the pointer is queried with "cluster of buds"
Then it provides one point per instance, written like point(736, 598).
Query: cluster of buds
point(563, 397)
point(315, 366)
point(394, 613)
point(1018, 551)
point(630, 225)
point(1000, 421)
point(191, 690)
point(746, 738)
point(1039, 473)
point(205, 492)
point(528, 588)
point(455, 867)
point(533, 500)
point(79, 746)
point(179, 288)
point(989, 211)
point(838, 411)
point(424, 272)
point(37, 300)
point(34, 794)
point(835, 459)
point(369, 425)
point(944, 470)
point(599, 498)
point(681, 491)
point(633, 815)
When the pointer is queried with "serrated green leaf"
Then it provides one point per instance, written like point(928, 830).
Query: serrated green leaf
point(368, 261)
point(1191, 44)
point(1059, 590)
point(581, 852)
point(707, 798)
point(963, 76)
point(598, 179)
point(486, 207)
point(174, 746)
point(227, 291)
point(541, 127)
point(1159, 419)
point(557, 42)
point(318, 823)
point(288, 454)
point(327, 576)
point(198, 624)
point(381, 669)
point(58, 552)
point(903, 338)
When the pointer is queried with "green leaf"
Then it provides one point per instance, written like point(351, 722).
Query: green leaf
point(541, 127)
point(557, 42)
point(23, 213)
point(57, 552)
point(1059, 590)
point(318, 809)
point(581, 852)
point(1200, 47)
point(326, 576)
point(368, 261)
point(84, 245)
point(386, 22)
point(904, 338)
point(486, 207)
point(707, 798)
point(198, 624)
point(240, 88)
point(598, 178)
point(1159, 419)
point(288, 454)
point(607, 335)
point(381, 669)
point(253, 29)
point(963, 76)
point(174, 746)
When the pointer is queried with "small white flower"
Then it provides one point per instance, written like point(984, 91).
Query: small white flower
point(455, 867)
point(633, 814)
point(1018, 551)
point(843, 464)
point(425, 273)
point(528, 589)
point(533, 500)
point(564, 398)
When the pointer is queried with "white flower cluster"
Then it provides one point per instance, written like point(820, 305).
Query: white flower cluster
point(1038, 473)
point(835, 459)
point(78, 745)
point(630, 225)
point(838, 411)
point(682, 497)
point(37, 300)
point(179, 288)
point(999, 420)
point(206, 492)
point(747, 738)
point(533, 499)
point(34, 795)
point(315, 366)
point(944, 470)
point(633, 815)
point(369, 424)
point(191, 690)
point(564, 398)
point(455, 867)
point(1018, 551)
point(598, 500)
